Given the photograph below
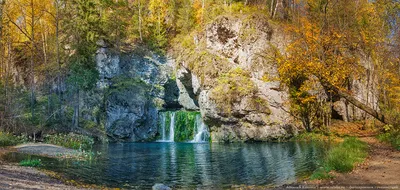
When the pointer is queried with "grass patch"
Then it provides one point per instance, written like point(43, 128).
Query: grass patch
point(321, 173)
point(392, 137)
point(30, 163)
point(71, 140)
point(342, 158)
point(313, 136)
point(7, 139)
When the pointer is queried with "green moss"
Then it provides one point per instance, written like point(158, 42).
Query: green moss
point(232, 87)
point(120, 84)
point(185, 125)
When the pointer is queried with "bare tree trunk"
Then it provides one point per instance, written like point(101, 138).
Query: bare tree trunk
point(32, 61)
point(1, 37)
point(59, 90)
point(279, 10)
point(2, 49)
point(203, 6)
point(75, 123)
point(140, 21)
point(7, 110)
point(272, 8)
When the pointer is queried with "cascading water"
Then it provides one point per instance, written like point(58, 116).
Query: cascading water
point(162, 116)
point(167, 135)
point(202, 133)
point(172, 128)
point(182, 126)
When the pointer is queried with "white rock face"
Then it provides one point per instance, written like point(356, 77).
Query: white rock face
point(188, 86)
point(242, 43)
point(363, 89)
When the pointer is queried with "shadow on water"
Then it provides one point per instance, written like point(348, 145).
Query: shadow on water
point(190, 165)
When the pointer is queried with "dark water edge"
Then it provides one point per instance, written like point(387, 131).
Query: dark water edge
point(190, 165)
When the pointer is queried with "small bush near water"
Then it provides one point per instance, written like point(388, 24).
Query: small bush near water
point(71, 140)
point(7, 139)
point(342, 158)
point(30, 162)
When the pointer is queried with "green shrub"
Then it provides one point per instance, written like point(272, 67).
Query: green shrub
point(342, 158)
point(31, 162)
point(71, 140)
point(7, 139)
point(392, 137)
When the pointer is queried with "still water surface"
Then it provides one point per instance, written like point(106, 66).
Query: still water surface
point(190, 165)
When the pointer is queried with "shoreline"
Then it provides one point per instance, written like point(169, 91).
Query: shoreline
point(381, 168)
point(13, 176)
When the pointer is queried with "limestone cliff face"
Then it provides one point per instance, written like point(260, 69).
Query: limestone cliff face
point(227, 72)
point(137, 85)
point(240, 43)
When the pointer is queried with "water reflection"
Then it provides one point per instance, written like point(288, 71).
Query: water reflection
point(187, 165)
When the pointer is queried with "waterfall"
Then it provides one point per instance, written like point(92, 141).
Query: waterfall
point(182, 126)
point(172, 127)
point(163, 122)
point(201, 131)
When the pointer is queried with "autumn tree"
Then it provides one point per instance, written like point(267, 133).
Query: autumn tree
point(327, 46)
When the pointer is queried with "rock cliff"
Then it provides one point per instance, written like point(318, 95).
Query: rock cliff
point(226, 72)
point(137, 85)
point(236, 48)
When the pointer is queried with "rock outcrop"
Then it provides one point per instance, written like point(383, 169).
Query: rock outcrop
point(228, 73)
point(256, 116)
point(137, 85)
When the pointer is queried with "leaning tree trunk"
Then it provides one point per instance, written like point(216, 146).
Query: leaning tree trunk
point(352, 100)
point(279, 11)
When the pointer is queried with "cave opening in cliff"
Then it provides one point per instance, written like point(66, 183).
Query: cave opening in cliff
point(336, 115)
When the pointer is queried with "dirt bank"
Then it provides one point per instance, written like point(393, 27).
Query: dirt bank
point(17, 177)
